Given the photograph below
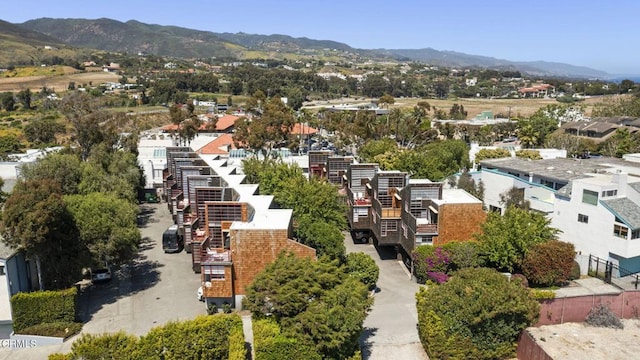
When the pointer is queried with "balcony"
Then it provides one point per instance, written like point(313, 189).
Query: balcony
point(423, 227)
point(390, 213)
point(211, 256)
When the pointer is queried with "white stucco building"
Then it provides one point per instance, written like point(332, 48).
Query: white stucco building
point(594, 202)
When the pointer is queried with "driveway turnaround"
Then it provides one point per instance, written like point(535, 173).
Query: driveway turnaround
point(390, 329)
point(150, 291)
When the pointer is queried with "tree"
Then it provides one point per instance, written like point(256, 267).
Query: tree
point(477, 314)
point(528, 154)
point(9, 144)
point(313, 301)
point(457, 112)
point(326, 238)
point(266, 132)
point(63, 169)
point(386, 99)
point(468, 184)
point(43, 131)
point(549, 263)
point(514, 197)
point(505, 240)
point(36, 219)
point(7, 101)
point(364, 268)
point(80, 109)
point(372, 148)
point(107, 226)
point(24, 97)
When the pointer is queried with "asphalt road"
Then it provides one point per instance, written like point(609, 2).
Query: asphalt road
point(390, 329)
point(154, 289)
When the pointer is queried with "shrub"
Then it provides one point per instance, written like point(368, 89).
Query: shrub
point(521, 279)
point(270, 344)
point(39, 307)
point(106, 346)
point(364, 268)
point(56, 329)
point(575, 271)
point(549, 263)
point(431, 263)
point(463, 254)
point(477, 314)
point(207, 336)
point(602, 316)
point(237, 350)
point(543, 294)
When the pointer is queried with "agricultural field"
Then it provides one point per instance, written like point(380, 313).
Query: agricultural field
point(56, 78)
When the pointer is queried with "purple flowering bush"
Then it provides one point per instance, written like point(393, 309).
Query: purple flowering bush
point(431, 263)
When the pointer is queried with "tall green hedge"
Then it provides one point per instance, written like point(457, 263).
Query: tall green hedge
point(270, 344)
point(237, 349)
point(39, 307)
point(205, 337)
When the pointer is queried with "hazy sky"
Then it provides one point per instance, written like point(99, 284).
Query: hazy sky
point(594, 33)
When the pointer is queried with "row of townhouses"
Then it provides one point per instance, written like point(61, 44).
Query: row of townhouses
point(394, 210)
point(231, 232)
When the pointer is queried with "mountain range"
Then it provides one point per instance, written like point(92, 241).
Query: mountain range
point(172, 41)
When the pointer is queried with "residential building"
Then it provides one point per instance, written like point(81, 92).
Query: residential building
point(595, 202)
point(539, 90)
point(391, 209)
point(15, 277)
point(231, 233)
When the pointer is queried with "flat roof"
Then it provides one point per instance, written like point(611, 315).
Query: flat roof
point(456, 196)
point(561, 168)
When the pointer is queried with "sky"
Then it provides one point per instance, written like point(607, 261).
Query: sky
point(593, 33)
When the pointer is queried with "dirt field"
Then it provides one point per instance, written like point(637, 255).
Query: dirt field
point(572, 341)
point(506, 107)
point(57, 82)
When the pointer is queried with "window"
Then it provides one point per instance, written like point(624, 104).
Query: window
point(213, 272)
point(424, 239)
point(583, 218)
point(620, 231)
point(2, 270)
point(609, 193)
point(635, 234)
point(590, 197)
point(405, 231)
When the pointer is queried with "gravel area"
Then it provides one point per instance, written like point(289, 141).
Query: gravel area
point(577, 341)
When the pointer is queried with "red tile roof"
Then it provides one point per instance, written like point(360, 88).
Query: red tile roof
point(226, 122)
point(218, 145)
point(300, 129)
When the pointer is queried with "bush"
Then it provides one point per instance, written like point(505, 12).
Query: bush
point(364, 268)
point(521, 279)
point(463, 254)
point(477, 314)
point(55, 329)
point(543, 294)
point(270, 344)
point(207, 336)
point(575, 271)
point(431, 263)
point(106, 346)
point(237, 350)
point(549, 263)
point(39, 307)
point(602, 316)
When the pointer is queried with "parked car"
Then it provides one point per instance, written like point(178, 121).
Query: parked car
point(102, 274)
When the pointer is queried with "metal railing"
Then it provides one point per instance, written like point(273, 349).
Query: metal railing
point(608, 271)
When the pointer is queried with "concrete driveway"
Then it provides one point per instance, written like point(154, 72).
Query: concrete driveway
point(390, 329)
point(154, 289)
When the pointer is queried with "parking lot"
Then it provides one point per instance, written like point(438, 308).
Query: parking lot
point(154, 289)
